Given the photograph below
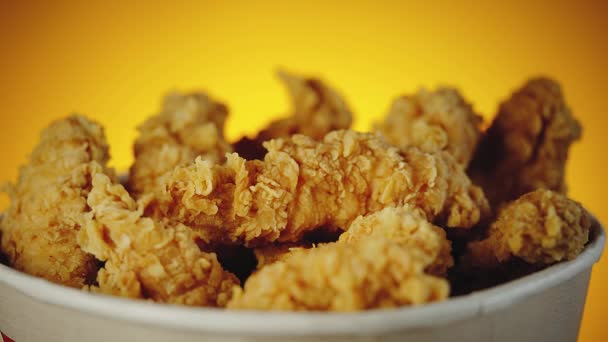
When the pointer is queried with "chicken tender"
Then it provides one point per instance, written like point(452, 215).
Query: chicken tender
point(318, 110)
point(526, 147)
point(542, 227)
point(408, 227)
point(149, 259)
point(48, 203)
point(365, 274)
point(188, 126)
point(303, 184)
point(438, 120)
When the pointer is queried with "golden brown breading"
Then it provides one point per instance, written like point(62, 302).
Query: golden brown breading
point(541, 227)
point(408, 227)
point(303, 184)
point(146, 258)
point(188, 126)
point(438, 120)
point(318, 110)
point(48, 203)
point(365, 274)
point(526, 147)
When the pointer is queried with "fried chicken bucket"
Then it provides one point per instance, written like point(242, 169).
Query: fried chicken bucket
point(427, 228)
point(545, 305)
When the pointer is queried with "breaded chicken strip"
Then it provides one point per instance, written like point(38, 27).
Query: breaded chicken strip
point(438, 120)
point(188, 126)
point(318, 110)
point(149, 259)
point(408, 227)
point(542, 227)
point(303, 184)
point(366, 274)
point(48, 203)
point(526, 147)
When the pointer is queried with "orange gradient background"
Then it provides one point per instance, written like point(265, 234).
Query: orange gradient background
point(113, 61)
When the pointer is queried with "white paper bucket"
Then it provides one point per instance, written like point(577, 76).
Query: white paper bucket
point(544, 306)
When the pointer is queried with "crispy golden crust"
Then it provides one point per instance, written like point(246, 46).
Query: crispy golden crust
point(541, 227)
point(433, 121)
point(303, 184)
point(408, 227)
point(526, 147)
point(365, 274)
point(146, 258)
point(317, 110)
point(48, 203)
point(188, 126)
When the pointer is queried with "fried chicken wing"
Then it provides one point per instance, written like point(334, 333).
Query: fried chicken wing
point(364, 274)
point(526, 147)
point(48, 203)
point(303, 184)
point(541, 227)
point(438, 120)
point(146, 258)
point(188, 126)
point(408, 227)
point(318, 110)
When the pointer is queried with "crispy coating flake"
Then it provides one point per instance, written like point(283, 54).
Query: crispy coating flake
point(188, 126)
point(438, 120)
point(269, 253)
point(318, 110)
point(146, 258)
point(303, 184)
point(272, 253)
point(408, 227)
point(365, 274)
point(541, 227)
point(526, 147)
point(48, 203)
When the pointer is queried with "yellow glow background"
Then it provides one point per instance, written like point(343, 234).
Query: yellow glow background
point(113, 61)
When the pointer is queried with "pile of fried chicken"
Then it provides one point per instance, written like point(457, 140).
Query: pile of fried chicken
point(308, 214)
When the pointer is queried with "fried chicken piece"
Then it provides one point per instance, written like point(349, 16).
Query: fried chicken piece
point(542, 227)
point(318, 110)
point(303, 184)
point(438, 120)
point(408, 227)
point(526, 147)
point(188, 126)
point(365, 274)
point(149, 259)
point(48, 203)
